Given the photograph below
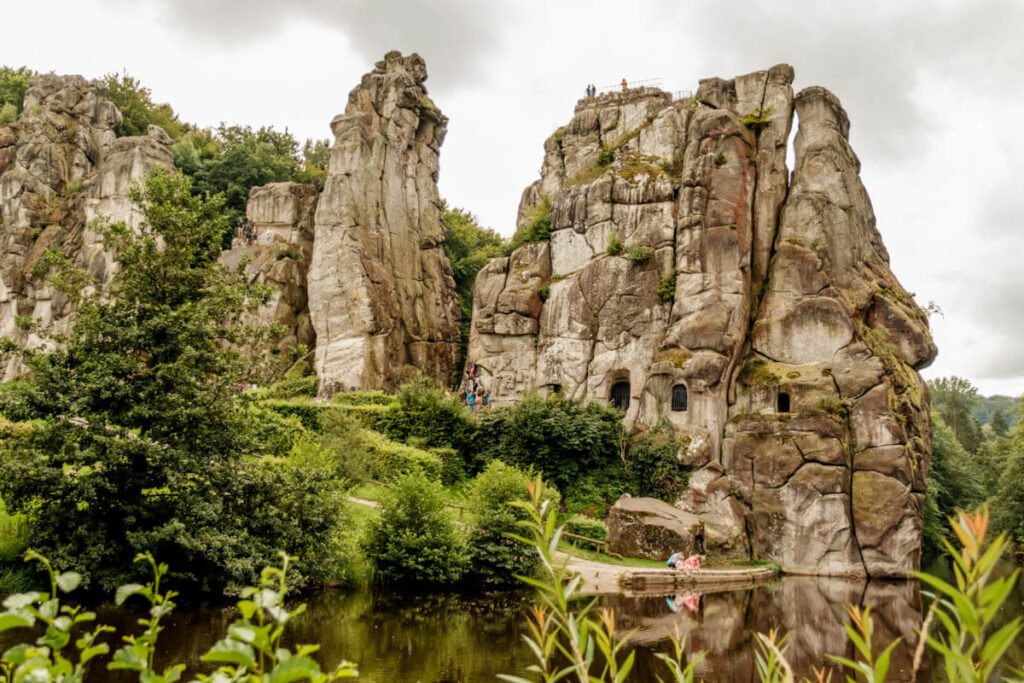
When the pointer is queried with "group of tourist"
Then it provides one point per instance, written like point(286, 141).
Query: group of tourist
point(592, 89)
point(246, 230)
point(473, 390)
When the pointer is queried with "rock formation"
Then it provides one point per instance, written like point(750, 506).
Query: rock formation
point(61, 166)
point(688, 278)
point(281, 217)
point(381, 292)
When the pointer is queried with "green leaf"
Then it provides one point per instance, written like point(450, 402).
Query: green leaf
point(69, 581)
point(129, 658)
point(247, 608)
point(90, 652)
point(10, 620)
point(19, 600)
point(294, 668)
point(126, 591)
point(231, 652)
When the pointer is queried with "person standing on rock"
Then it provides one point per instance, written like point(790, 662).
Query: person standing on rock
point(625, 86)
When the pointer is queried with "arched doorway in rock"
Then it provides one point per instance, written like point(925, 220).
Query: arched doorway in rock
point(782, 404)
point(620, 395)
point(679, 398)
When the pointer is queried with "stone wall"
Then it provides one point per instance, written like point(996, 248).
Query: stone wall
point(765, 306)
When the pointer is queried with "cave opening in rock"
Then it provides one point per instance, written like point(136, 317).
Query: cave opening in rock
point(620, 395)
point(783, 402)
point(554, 390)
point(679, 398)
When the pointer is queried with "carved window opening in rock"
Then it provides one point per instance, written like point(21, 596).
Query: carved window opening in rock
point(679, 399)
point(554, 390)
point(620, 395)
point(783, 402)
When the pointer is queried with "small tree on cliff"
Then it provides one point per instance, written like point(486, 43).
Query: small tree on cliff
point(140, 439)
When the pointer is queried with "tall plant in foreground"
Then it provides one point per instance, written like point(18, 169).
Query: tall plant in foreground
point(578, 643)
point(966, 609)
point(252, 650)
point(570, 642)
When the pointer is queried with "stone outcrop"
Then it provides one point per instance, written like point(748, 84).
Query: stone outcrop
point(281, 219)
point(61, 166)
point(381, 292)
point(690, 279)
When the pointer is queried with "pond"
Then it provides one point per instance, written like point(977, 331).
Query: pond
point(454, 639)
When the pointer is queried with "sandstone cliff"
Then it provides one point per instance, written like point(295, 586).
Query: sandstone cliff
point(690, 279)
point(61, 166)
point(281, 216)
point(381, 293)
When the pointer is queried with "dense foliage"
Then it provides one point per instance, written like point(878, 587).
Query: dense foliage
point(469, 248)
point(138, 110)
point(579, 446)
point(423, 413)
point(537, 227)
point(140, 442)
point(415, 540)
point(953, 484)
point(495, 556)
point(13, 85)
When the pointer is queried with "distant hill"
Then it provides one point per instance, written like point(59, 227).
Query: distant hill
point(987, 405)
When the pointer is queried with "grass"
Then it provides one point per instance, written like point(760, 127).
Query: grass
point(585, 554)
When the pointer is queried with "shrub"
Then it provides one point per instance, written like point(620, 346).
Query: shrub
point(496, 557)
point(298, 381)
point(581, 525)
point(537, 228)
point(654, 464)
point(614, 247)
point(421, 410)
point(575, 444)
point(342, 436)
point(638, 253)
point(8, 113)
point(415, 540)
point(606, 155)
point(308, 412)
point(667, 286)
point(273, 432)
point(389, 460)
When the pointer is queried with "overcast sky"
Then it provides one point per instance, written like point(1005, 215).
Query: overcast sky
point(934, 91)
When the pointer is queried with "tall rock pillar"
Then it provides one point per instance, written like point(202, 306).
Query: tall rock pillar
point(382, 297)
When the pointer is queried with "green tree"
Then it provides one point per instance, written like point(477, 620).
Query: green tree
point(415, 540)
point(999, 424)
point(316, 160)
point(576, 445)
point(138, 111)
point(495, 556)
point(13, 85)
point(140, 441)
point(954, 483)
point(954, 398)
point(469, 247)
point(246, 158)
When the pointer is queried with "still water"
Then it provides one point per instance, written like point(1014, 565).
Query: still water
point(452, 639)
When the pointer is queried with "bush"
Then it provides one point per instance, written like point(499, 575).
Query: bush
point(606, 155)
point(575, 444)
point(614, 247)
point(654, 465)
point(495, 557)
point(589, 527)
point(342, 437)
point(415, 540)
point(297, 382)
point(273, 433)
point(537, 228)
point(389, 460)
point(310, 413)
point(422, 411)
point(667, 286)
point(638, 253)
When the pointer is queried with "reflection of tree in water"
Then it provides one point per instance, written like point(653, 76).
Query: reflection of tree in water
point(811, 610)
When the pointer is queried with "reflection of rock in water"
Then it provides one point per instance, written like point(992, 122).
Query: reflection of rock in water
point(811, 610)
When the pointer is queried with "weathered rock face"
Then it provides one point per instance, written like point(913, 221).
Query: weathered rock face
point(381, 293)
point(755, 312)
point(61, 166)
point(281, 215)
